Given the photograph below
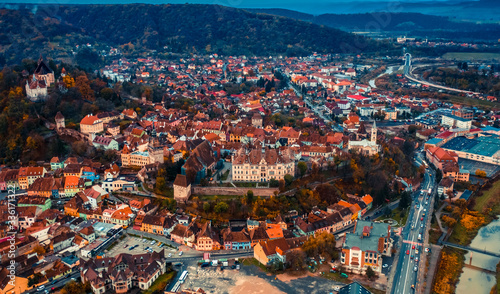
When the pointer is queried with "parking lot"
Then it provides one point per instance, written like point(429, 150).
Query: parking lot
point(140, 246)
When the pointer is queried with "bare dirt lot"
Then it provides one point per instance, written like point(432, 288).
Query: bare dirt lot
point(251, 279)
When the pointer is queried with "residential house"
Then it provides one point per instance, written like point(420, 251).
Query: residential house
point(271, 251)
point(28, 175)
point(91, 124)
point(122, 273)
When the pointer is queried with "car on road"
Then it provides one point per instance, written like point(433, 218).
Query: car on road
point(411, 257)
point(407, 252)
point(415, 268)
point(416, 251)
point(416, 259)
point(421, 225)
point(413, 247)
point(41, 288)
point(385, 265)
point(422, 218)
point(427, 250)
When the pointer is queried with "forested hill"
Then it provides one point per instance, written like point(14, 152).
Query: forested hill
point(183, 28)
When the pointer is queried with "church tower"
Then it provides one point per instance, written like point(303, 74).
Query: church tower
point(374, 133)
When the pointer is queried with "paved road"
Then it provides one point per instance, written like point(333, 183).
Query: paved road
point(59, 283)
point(417, 224)
point(411, 77)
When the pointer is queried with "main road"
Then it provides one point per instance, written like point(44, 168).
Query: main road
point(406, 274)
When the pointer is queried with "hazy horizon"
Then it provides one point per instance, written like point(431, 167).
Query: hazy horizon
point(315, 7)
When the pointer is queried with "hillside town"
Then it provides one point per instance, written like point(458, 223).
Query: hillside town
point(238, 158)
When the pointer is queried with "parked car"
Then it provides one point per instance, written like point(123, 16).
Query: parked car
point(180, 253)
point(41, 288)
point(170, 255)
point(385, 265)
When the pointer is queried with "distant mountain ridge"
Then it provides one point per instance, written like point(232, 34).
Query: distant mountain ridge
point(423, 24)
point(180, 28)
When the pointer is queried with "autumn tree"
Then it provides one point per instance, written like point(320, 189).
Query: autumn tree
point(481, 173)
point(76, 288)
point(296, 260)
point(323, 243)
point(68, 81)
point(83, 84)
point(39, 250)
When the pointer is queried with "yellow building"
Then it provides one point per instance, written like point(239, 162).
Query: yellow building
point(261, 166)
point(91, 124)
point(28, 175)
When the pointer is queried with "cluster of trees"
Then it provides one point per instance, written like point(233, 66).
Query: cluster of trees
point(202, 29)
point(322, 244)
point(23, 134)
point(449, 269)
point(469, 78)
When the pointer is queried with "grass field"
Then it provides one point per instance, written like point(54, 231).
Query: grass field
point(490, 200)
point(488, 197)
point(473, 101)
point(160, 283)
point(471, 56)
point(219, 197)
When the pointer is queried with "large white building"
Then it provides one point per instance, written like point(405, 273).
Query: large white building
point(261, 165)
point(36, 90)
point(456, 121)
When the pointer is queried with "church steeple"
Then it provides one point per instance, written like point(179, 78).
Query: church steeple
point(374, 132)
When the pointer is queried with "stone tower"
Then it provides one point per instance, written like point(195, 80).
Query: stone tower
point(60, 124)
point(374, 133)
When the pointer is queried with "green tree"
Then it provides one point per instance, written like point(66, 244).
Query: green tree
point(206, 207)
point(274, 183)
point(370, 273)
point(161, 185)
point(288, 179)
point(221, 207)
point(302, 166)
point(405, 200)
point(249, 197)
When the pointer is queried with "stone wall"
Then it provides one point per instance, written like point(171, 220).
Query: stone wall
point(266, 192)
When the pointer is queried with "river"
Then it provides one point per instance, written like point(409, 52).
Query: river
point(473, 281)
point(389, 70)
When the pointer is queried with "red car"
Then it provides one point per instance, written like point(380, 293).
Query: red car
point(421, 218)
point(413, 247)
point(408, 252)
